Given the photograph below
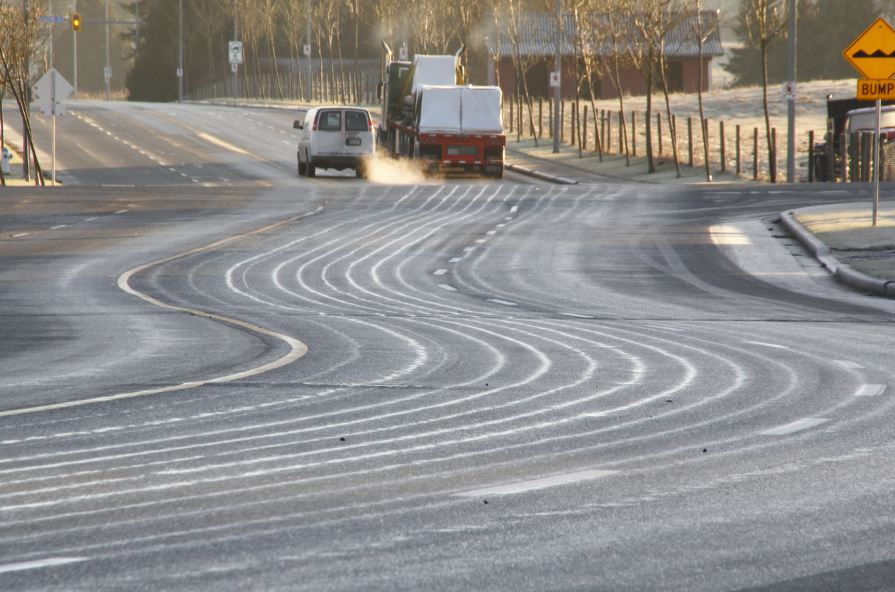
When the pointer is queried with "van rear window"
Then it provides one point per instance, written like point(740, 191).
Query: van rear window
point(356, 121)
point(330, 121)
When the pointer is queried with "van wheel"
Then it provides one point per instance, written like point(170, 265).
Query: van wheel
point(310, 169)
point(301, 168)
point(360, 172)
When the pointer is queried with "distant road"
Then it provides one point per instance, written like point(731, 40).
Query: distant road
point(218, 376)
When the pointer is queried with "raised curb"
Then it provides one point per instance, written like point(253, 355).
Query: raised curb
point(844, 273)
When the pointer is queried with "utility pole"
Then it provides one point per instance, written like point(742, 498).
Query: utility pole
point(307, 52)
point(180, 50)
point(235, 38)
point(557, 67)
point(26, 169)
point(107, 72)
point(74, 38)
point(791, 103)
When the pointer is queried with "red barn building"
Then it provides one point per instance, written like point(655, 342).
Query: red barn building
point(529, 46)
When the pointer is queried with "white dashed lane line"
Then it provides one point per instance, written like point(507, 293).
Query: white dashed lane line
point(456, 260)
point(796, 426)
point(536, 484)
point(439, 272)
point(764, 344)
point(502, 302)
point(40, 564)
point(447, 287)
point(871, 390)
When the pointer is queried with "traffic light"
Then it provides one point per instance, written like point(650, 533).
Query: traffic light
point(75, 21)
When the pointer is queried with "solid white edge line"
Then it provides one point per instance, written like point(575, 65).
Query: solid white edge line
point(535, 484)
point(297, 349)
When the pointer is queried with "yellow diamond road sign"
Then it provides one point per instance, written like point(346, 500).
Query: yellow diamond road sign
point(873, 52)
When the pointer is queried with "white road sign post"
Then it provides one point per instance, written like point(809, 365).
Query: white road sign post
point(51, 90)
point(871, 55)
point(235, 55)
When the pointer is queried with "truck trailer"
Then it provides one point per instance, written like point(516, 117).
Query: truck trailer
point(430, 113)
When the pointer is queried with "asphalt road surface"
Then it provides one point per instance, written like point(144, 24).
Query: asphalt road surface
point(217, 376)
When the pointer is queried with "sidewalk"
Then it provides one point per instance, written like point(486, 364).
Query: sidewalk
point(588, 168)
point(844, 240)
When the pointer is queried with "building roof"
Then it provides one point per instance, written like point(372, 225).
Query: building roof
point(536, 36)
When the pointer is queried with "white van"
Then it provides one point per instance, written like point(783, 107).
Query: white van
point(334, 138)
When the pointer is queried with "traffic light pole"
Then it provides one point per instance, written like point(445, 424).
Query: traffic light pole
point(74, 37)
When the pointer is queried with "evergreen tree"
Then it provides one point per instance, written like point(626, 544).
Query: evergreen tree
point(154, 73)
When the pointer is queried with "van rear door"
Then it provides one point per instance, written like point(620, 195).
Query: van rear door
point(358, 135)
point(328, 138)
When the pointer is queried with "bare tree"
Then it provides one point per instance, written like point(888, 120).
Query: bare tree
point(20, 37)
point(651, 20)
point(765, 23)
point(617, 29)
point(590, 39)
point(701, 31)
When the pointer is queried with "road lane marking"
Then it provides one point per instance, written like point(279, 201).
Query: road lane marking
point(447, 287)
point(871, 390)
point(850, 364)
point(297, 349)
point(575, 315)
point(514, 209)
point(536, 484)
point(765, 344)
point(456, 260)
point(20, 234)
point(221, 143)
point(121, 212)
point(439, 272)
point(796, 426)
point(41, 563)
point(503, 302)
point(59, 226)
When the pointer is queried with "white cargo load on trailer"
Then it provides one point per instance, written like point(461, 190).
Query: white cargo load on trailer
point(480, 110)
point(434, 70)
point(440, 109)
point(460, 110)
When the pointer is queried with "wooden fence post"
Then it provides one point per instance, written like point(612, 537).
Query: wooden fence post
point(573, 123)
point(843, 150)
point(659, 131)
point(531, 123)
point(690, 142)
point(811, 156)
point(540, 117)
point(723, 141)
point(755, 153)
point(562, 121)
point(550, 117)
point(773, 163)
point(607, 130)
point(584, 127)
point(738, 150)
point(705, 150)
point(512, 102)
point(633, 133)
